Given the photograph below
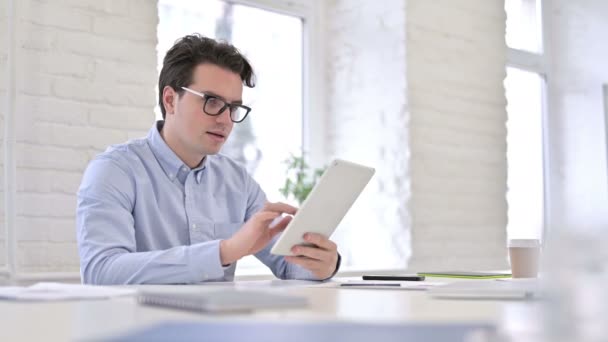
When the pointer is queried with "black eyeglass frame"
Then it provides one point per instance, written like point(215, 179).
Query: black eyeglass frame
point(232, 106)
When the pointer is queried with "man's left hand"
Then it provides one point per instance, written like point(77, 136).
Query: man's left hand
point(321, 259)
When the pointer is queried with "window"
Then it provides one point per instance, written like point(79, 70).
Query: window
point(523, 25)
point(524, 153)
point(273, 42)
point(525, 92)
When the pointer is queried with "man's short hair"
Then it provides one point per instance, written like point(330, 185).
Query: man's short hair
point(190, 51)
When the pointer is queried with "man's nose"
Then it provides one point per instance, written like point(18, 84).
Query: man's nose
point(224, 116)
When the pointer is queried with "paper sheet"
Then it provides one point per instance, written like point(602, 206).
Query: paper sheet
point(59, 291)
point(383, 285)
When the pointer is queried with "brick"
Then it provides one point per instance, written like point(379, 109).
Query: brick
point(452, 21)
point(32, 229)
point(42, 87)
point(46, 204)
point(480, 9)
point(144, 10)
point(46, 181)
point(62, 135)
point(57, 63)
point(3, 10)
point(32, 253)
point(457, 138)
point(56, 15)
point(62, 230)
point(37, 37)
point(474, 156)
point(88, 44)
point(112, 72)
point(120, 95)
point(63, 256)
point(3, 80)
point(50, 109)
point(116, 7)
point(50, 157)
point(3, 36)
point(121, 118)
point(457, 106)
point(461, 124)
point(470, 234)
point(47, 257)
point(466, 249)
point(46, 229)
point(126, 28)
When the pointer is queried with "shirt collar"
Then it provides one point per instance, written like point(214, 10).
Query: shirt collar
point(168, 160)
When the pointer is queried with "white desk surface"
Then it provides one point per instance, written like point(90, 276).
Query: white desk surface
point(76, 320)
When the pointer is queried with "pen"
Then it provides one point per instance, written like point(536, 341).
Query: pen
point(369, 284)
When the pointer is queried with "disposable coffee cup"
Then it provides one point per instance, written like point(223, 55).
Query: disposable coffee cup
point(524, 255)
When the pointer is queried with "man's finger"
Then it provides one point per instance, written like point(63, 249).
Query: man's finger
point(312, 252)
point(321, 241)
point(279, 227)
point(266, 216)
point(307, 263)
point(280, 207)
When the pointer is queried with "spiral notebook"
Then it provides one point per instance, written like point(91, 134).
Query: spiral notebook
point(222, 300)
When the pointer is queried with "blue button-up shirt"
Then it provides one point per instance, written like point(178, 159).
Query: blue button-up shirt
point(143, 216)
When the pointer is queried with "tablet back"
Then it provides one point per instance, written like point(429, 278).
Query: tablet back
point(326, 205)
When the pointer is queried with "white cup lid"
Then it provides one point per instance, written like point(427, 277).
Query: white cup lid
point(524, 243)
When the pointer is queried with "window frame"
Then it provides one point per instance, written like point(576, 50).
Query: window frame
point(313, 21)
point(540, 63)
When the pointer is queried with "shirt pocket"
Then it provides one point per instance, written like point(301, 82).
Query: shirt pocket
point(224, 230)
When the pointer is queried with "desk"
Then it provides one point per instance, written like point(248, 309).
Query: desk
point(75, 320)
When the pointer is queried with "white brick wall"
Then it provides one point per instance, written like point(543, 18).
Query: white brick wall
point(456, 66)
point(85, 80)
point(415, 89)
point(579, 186)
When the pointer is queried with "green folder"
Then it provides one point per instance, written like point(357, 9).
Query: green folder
point(466, 274)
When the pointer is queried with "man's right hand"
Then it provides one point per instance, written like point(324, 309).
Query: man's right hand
point(256, 233)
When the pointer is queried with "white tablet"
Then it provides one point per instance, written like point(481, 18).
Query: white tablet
point(326, 205)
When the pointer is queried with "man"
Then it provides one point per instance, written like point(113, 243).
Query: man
point(168, 208)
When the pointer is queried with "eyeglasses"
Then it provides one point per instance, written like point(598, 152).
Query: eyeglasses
point(214, 106)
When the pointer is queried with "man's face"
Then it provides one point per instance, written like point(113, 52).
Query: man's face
point(200, 133)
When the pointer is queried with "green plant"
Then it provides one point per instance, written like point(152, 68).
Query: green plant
point(300, 178)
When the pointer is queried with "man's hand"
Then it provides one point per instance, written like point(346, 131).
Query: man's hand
point(255, 233)
point(321, 259)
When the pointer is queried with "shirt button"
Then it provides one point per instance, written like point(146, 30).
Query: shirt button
point(184, 168)
point(193, 226)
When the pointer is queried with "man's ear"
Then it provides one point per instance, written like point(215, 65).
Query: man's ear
point(169, 100)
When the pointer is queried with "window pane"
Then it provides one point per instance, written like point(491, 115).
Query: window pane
point(524, 25)
point(524, 153)
point(273, 44)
